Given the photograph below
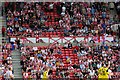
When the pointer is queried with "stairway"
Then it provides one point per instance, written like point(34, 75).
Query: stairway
point(0, 31)
point(16, 65)
point(15, 54)
point(2, 23)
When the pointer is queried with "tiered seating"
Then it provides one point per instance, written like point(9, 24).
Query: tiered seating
point(69, 53)
point(5, 59)
point(52, 22)
point(81, 19)
point(50, 34)
point(89, 17)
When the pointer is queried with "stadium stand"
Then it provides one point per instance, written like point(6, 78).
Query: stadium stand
point(71, 59)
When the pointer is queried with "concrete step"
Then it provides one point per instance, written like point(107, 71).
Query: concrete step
point(18, 74)
point(16, 71)
point(16, 54)
point(16, 60)
point(18, 78)
point(16, 68)
point(16, 57)
point(16, 65)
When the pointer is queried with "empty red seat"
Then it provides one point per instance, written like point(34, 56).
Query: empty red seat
point(67, 51)
point(53, 23)
point(43, 33)
point(49, 23)
point(47, 34)
point(50, 33)
point(51, 13)
point(71, 54)
point(56, 23)
point(67, 54)
point(47, 13)
point(54, 33)
point(63, 52)
point(53, 18)
point(72, 57)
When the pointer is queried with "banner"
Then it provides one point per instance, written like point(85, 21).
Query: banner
point(63, 39)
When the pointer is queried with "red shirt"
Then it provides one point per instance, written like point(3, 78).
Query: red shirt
point(3, 29)
point(80, 25)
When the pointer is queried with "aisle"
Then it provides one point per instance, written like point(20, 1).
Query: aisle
point(16, 65)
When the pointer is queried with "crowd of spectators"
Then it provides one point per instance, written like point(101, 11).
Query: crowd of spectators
point(73, 18)
point(34, 60)
point(6, 68)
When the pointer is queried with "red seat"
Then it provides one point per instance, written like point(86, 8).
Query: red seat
point(71, 51)
point(75, 54)
point(53, 18)
point(46, 24)
point(50, 33)
point(43, 33)
point(63, 52)
point(55, 15)
point(54, 33)
point(47, 13)
point(51, 13)
point(56, 23)
point(67, 54)
point(76, 59)
point(49, 23)
point(47, 34)
point(67, 51)
point(72, 57)
point(77, 62)
point(58, 33)
point(71, 54)
point(53, 23)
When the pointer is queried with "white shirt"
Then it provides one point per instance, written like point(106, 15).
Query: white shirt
point(92, 72)
point(99, 65)
point(66, 45)
point(63, 9)
point(35, 48)
point(51, 6)
point(25, 75)
point(109, 70)
point(9, 58)
point(63, 13)
point(43, 51)
point(32, 58)
point(8, 74)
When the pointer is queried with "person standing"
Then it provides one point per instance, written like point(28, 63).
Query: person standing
point(9, 75)
point(103, 73)
point(3, 31)
point(45, 74)
point(18, 42)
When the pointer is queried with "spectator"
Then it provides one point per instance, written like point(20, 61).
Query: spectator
point(3, 31)
point(9, 74)
point(70, 19)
